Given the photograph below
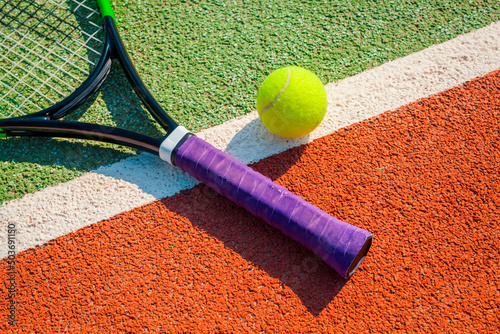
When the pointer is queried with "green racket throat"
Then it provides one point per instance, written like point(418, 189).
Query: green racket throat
point(106, 9)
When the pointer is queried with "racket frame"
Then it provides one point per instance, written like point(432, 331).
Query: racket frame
point(47, 123)
point(341, 245)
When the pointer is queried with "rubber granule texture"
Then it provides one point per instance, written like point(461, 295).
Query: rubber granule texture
point(424, 179)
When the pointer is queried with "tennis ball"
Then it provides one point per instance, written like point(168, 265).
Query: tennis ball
point(291, 102)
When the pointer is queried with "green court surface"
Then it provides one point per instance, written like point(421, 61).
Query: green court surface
point(204, 61)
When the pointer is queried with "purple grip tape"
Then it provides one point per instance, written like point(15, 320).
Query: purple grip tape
point(342, 246)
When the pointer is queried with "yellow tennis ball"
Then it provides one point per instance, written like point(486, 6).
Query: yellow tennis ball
point(291, 102)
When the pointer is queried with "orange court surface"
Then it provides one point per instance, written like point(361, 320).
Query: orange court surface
point(423, 179)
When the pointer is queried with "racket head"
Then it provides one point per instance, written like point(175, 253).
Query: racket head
point(52, 56)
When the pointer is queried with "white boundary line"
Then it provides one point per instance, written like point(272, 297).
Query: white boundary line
point(135, 181)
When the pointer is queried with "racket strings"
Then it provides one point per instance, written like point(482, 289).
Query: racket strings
point(48, 48)
point(22, 58)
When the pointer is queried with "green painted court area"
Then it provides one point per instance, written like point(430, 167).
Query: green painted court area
point(204, 61)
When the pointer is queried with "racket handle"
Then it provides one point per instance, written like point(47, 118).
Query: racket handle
point(340, 245)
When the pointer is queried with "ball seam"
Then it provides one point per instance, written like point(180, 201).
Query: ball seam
point(281, 93)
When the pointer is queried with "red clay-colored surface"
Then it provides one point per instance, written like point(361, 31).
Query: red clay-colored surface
point(423, 179)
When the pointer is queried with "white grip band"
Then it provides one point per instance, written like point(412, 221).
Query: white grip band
point(169, 144)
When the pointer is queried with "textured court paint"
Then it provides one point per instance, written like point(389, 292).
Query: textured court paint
point(424, 179)
point(42, 216)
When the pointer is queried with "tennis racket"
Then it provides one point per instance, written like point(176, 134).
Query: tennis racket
point(55, 54)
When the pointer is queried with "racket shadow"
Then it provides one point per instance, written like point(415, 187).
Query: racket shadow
point(122, 108)
point(282, 259)
point(72, 154)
